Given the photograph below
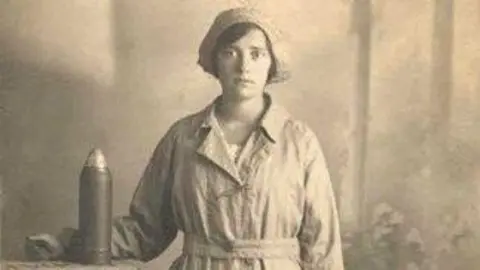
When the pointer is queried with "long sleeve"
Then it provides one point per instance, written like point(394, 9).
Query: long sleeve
point(319, 235)
point(149, 229)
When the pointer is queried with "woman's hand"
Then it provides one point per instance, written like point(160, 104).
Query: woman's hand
point(46, 247)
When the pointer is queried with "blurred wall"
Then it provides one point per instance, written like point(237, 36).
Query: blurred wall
point(56, 60)
point(423, 140)
point(116, 74)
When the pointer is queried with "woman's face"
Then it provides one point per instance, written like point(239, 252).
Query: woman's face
point(243, 66)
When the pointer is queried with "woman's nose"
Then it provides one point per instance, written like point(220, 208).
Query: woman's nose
point(243, 64)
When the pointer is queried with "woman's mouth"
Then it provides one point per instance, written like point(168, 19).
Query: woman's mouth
point(244, 81)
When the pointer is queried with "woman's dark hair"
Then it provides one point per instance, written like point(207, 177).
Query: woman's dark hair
point(234, 33)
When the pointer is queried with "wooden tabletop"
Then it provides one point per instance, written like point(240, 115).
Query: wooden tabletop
point(19, 265)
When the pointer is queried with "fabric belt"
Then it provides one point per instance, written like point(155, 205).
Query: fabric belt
point(252, 248)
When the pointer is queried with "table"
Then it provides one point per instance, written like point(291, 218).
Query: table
point(116, 265)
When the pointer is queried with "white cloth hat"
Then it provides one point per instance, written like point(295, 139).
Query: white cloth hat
point(229, 17)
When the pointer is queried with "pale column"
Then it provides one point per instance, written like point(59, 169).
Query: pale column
point(442, 53)
point(465, 107)
point(353, 188)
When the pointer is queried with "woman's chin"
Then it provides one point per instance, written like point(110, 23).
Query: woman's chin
point(248, 92)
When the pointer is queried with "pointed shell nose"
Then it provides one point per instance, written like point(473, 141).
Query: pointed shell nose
point(96, 159)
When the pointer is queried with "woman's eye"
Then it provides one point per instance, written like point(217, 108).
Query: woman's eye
point(228, 53)
point(257, 54)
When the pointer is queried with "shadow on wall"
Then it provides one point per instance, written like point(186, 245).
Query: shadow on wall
point(48, 132)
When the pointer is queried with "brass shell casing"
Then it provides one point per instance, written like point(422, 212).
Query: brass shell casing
point(95, 210)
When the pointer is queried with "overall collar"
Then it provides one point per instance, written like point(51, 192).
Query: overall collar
point(211, 145)
point(271, 122)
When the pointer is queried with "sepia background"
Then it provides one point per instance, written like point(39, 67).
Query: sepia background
point(392, 89)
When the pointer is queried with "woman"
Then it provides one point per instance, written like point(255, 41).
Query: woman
point(245, 182)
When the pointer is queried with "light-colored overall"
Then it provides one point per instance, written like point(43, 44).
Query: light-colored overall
point(271, 207)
